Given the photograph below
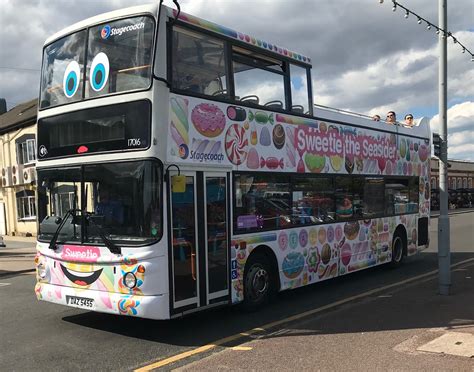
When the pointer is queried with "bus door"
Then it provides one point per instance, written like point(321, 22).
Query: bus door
point(199, 241)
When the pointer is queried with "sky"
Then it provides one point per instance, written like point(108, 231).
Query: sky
point(366, 58)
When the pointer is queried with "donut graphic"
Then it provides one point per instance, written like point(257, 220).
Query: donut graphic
point(208, 119)
point(236, 144)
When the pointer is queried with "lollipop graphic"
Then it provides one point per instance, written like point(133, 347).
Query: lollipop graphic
point(236, 144)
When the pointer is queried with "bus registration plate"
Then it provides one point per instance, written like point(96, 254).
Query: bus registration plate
point(81, 302)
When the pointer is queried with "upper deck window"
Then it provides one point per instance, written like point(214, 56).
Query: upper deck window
point(119, 58)
point(299, 89)
point(63, 69)
point(258, 79)
point(198, 63)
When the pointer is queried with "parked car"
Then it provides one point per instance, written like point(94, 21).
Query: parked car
point(2, 243)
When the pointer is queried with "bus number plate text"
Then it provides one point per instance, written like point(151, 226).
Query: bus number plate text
point(87, 303)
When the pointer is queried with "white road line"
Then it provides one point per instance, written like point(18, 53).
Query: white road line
point(4, 284)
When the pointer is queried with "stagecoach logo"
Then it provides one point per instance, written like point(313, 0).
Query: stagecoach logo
point(105, 33)
point(183, 151)
point(43, 151)
point(112, 31)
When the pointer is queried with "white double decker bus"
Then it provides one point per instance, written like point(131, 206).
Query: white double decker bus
point(182, 165)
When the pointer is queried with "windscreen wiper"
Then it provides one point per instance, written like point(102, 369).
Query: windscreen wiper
point(52, 243)
point(108, 243)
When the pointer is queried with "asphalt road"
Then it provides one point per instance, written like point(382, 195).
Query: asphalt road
point(42, 336)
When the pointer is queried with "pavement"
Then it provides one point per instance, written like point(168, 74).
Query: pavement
point(18, 255)
point(408, 328)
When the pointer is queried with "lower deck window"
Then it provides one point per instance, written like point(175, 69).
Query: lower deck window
point(264, 201)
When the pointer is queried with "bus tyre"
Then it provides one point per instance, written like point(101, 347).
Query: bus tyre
point(258, 283)
point(398, 250)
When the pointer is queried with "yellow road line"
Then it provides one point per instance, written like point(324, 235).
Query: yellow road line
point(292, 318)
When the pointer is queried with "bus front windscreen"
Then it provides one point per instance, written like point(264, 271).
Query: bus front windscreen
point(121, 201)
point(116, 57)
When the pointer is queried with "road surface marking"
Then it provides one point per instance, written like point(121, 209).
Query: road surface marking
point(222, 341)
point(4, 284)
point(242, 348)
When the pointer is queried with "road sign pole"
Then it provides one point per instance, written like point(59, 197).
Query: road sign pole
point(444, 249)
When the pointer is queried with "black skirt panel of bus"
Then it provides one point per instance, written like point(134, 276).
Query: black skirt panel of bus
point(423, 231)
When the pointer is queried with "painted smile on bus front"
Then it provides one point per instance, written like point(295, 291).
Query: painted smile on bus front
point(120, 201)
point(80, 278)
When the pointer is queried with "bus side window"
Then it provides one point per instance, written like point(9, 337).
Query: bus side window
point(198, 63)
point(299, 89)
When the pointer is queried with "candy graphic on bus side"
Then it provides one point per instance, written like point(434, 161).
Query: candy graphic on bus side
point(349, 164)
point(278, 136)
point(336, 162)
point(208, 119)
point(261, 117)
point(315, 163)
point(236, 144)
point(283, 240)
point(253, 159)
point(293, 265)
point(179, 120)
point(272, 163)
point(313, 259)
point(235, 113)
point(351, 230)
point(346, 254)
point(253, 135)
point(265, 139)
point(290, 148)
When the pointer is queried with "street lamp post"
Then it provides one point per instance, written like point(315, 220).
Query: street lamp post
point(444, 249)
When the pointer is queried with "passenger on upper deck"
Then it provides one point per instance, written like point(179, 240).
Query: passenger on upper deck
point(376, 117)
point(409, 120)
point(391, 117)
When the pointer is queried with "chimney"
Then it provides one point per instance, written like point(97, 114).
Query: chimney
point(3, 106)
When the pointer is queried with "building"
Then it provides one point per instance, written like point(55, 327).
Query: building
point(460, 174)
point(17, 164)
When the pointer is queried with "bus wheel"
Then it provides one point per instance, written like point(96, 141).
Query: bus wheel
point(398, 250)
point(258, 284)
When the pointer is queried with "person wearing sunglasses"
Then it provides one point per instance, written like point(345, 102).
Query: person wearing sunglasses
point(409, 120)
point(391, 117)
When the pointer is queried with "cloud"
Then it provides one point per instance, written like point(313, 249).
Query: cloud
point(366, 58)
point(460, 130)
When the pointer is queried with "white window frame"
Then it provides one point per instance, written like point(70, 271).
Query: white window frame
point(28, 209)
point(26, 151)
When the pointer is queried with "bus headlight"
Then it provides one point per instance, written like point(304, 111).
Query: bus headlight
point(130, 280)
point(42, 270)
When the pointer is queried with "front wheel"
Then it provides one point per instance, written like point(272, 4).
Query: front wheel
point(398, 250)
point(258, 284)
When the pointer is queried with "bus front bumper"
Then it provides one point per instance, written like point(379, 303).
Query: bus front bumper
point(151, 307)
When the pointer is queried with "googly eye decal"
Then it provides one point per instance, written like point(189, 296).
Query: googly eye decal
point(99, 71)
point(71, 79)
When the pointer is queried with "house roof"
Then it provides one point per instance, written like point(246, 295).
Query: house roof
point(19, 116)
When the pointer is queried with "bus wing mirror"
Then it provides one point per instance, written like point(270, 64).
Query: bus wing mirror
point(178, 184)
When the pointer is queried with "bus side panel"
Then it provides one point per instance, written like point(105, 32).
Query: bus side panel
point(315, 253)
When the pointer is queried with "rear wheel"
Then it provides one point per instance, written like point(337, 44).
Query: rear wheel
point(258, 283)
point(398, 250)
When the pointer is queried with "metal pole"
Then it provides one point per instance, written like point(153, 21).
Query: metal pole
point(444, 254)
